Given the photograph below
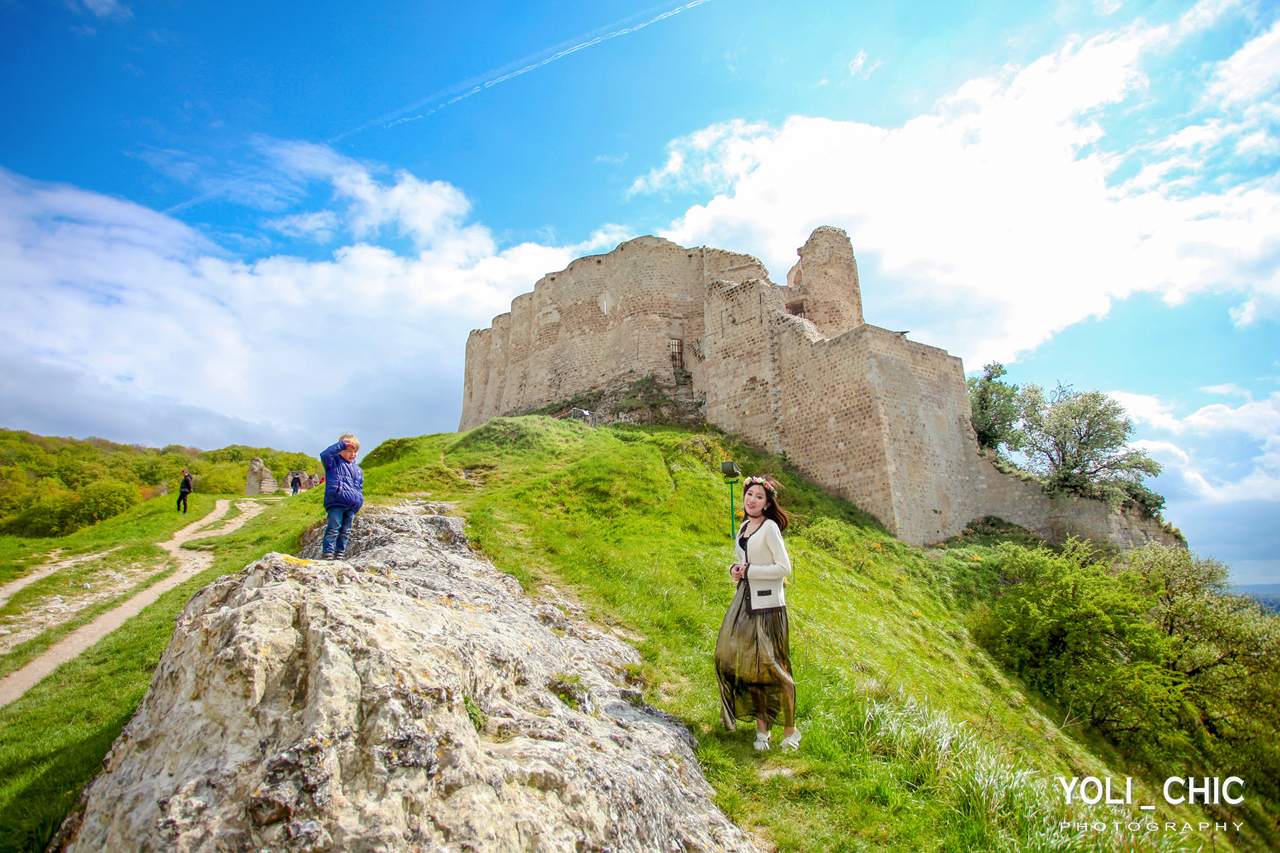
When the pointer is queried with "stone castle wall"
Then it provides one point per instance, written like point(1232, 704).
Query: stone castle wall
point(1056, 518)
point(880, 419)
point(599, 322)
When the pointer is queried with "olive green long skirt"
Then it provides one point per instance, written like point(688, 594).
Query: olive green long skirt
point(753, 663)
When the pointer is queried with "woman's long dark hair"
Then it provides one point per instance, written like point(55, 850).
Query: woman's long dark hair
point(772, 509)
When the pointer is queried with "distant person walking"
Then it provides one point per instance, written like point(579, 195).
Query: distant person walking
point(185, 489)
point(296, 483)
point(753, 651)
point(343, 494)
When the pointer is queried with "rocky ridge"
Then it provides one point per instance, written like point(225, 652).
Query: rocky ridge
point(409, 698)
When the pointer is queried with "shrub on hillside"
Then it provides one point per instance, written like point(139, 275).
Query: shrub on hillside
point(227, 479)
point(1225, 654)
point(105, 499)
point(831, 535)
point(1072, 629)
point(1160, 657)
point(51, 511)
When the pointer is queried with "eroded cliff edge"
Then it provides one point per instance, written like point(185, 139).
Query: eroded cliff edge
point(411, 698)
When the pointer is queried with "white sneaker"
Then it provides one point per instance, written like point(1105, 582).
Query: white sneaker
point(791, 742)
point(762, 742)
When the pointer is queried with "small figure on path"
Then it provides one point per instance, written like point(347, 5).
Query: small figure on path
point(753, 651)
point(343, 494)
point(185, 489)
point(296, 483)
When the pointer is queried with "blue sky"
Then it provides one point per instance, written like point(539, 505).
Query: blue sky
point(227, 223)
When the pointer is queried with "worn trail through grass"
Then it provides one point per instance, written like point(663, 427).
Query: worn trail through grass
point(190, 563)
point(7, 591)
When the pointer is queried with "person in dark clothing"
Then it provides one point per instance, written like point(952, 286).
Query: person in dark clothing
point(185, 489)
point(296, 483)
point(343, 494)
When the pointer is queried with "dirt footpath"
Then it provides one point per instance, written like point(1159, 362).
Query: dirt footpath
point(190, 563)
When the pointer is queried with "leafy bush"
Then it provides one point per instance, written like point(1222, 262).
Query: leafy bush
point(1147, 501)
point(995, 409)
point(106, 498)
point(1070, 628)
point(227, 479)
point(1160, 657)
point(57, 511)
point(1225, 654)
point(52, 511)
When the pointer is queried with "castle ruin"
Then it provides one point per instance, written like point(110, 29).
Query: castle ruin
point(880, 419)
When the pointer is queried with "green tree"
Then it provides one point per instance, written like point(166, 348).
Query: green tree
point(51, 510)
point(225, 479)
point(1226, 651)
point(104, 499)
point(1078, 441)
point(1078, 632)
point(995, 409)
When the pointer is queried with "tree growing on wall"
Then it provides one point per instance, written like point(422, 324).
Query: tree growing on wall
point(1078, 441)
point(995, 409)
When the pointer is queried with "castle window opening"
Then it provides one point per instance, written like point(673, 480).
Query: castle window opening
point(677, 353)
point(796, 309)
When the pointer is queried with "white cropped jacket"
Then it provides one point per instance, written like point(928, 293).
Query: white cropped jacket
point(767, 565)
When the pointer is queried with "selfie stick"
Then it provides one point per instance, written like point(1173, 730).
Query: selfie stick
point(731, 476)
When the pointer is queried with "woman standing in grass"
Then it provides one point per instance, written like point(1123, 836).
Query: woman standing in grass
point(753, 652)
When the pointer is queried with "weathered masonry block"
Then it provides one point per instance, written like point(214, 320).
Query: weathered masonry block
point(880, 419)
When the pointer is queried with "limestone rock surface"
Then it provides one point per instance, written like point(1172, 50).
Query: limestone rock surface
point(260, 480)
point(409, 698)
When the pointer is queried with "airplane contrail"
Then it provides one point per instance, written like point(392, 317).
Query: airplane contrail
point(467, 88)
point(515, 69)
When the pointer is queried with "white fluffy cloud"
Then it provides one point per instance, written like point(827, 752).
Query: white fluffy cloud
point(1251, 75)
point(369, 339)
point(951, 210)
point(1194, 463)
point(1256, 419)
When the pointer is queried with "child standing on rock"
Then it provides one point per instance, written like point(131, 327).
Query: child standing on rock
point(343, 494)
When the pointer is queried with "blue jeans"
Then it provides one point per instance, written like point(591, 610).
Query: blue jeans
point(339, 528)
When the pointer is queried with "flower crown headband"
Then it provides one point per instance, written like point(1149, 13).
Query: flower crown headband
point(760, 481)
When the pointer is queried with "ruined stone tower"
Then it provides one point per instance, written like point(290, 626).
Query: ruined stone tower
point(878, 418)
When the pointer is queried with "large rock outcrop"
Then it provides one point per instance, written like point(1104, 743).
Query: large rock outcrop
point(410, 698)
point(260, 480)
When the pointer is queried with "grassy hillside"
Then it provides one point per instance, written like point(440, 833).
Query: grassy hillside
point(913, 739)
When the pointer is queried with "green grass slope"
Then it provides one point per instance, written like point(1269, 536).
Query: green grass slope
point(913, 739)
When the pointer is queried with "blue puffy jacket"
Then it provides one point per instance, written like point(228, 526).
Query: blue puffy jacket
point(343, 480)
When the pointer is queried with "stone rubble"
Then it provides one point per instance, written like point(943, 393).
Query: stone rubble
point(409, 698)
